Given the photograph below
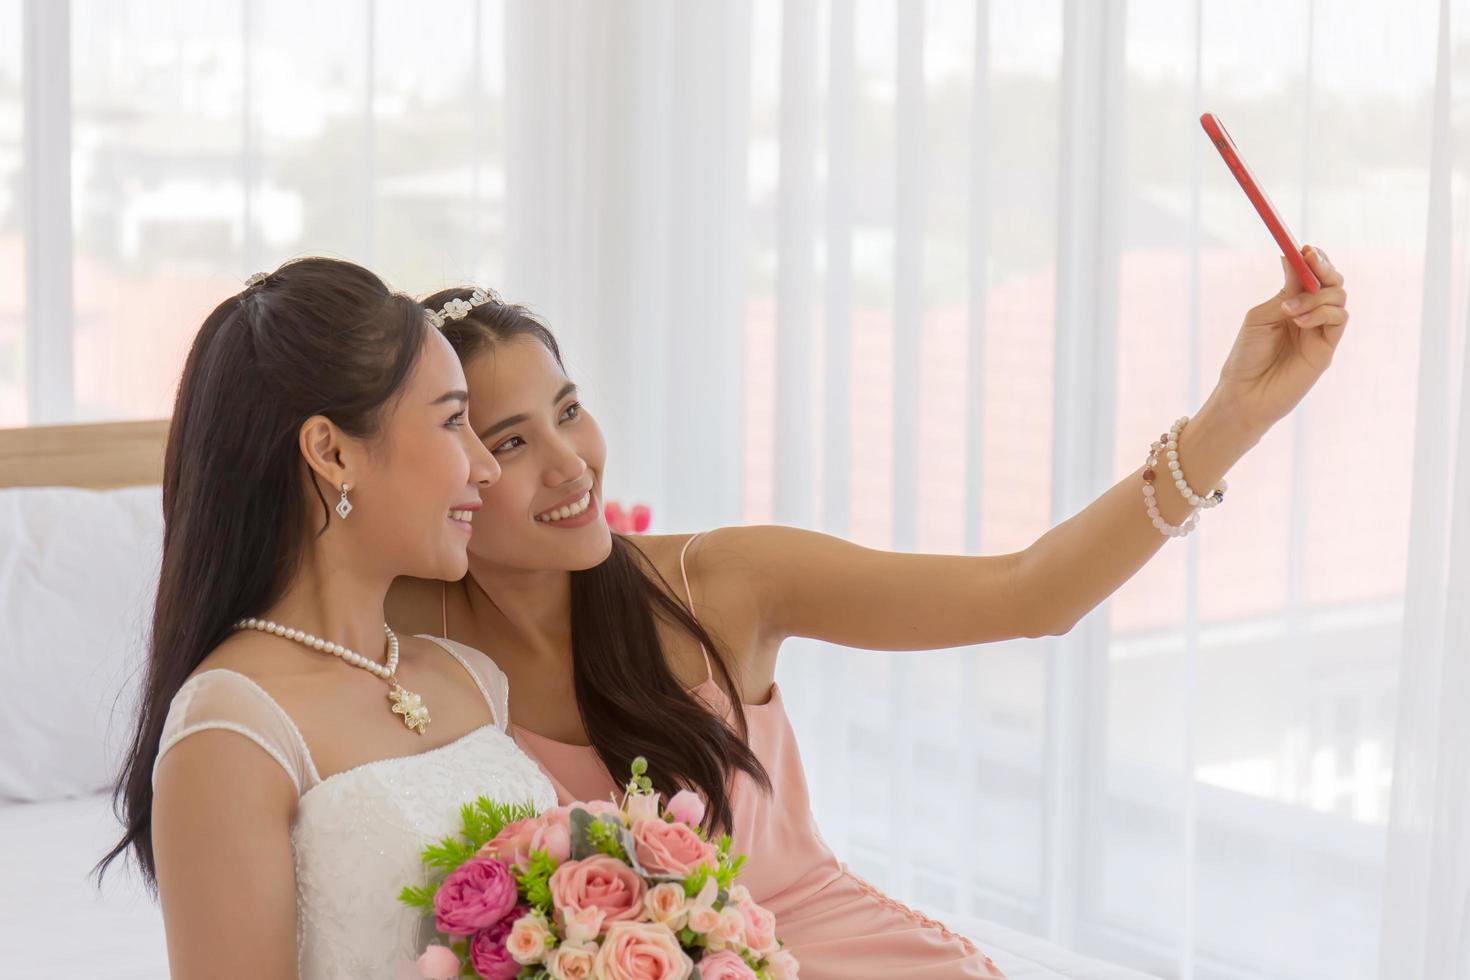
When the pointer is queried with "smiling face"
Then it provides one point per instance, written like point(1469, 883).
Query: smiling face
point(421, 486)
point(545, 512)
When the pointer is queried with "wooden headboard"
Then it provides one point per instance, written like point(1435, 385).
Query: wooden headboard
point(97, 456)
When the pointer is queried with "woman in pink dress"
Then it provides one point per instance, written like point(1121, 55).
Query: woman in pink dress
point(665, 646)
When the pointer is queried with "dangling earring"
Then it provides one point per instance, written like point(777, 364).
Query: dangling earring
point(344, 506)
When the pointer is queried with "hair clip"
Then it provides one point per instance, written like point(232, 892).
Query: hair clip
point(458, 309)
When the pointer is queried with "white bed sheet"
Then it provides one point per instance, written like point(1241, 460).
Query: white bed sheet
point(55, 922)
point(1026, 957)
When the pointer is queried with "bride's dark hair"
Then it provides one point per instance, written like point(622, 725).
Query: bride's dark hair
point(316, 337)
point(630, 701)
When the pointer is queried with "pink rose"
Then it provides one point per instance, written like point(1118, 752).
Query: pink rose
point(760, 926)
point(666, 905)
point(671, 848)
point(571, 963)
point(551, 832)
point(600, 882)
point(475, 896)
point(513, 844)
point(781, 965)
point(703, 919)
point(438, 963)
point(642, 951)
point(686, 807)
point(529, 939)
point(725, 965)
point(729, 929)
point(555, 835)
point(488, 954)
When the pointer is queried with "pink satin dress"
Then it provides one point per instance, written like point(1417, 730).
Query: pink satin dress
point(838, 926)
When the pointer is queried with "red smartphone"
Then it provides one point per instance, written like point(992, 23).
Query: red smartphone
point(1289, 248)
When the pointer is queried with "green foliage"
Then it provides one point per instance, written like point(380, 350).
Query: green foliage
point(535, 881)
point(607, 838)
point(418, 897)
point(480, 821)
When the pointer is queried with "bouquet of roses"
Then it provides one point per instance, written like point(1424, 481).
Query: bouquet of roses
point(594, 891)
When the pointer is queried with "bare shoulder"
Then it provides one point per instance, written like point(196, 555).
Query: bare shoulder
point(247, 652)
point(700, 554)
point(217, 772)
point(188, 773)
point(721, 572)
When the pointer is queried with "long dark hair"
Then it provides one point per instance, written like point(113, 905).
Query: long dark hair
point(316, 337)
point(630, 701)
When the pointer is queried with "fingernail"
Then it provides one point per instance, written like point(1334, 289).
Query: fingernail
point(1292, 305)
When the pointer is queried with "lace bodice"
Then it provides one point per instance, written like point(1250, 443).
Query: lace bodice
point(357, 835)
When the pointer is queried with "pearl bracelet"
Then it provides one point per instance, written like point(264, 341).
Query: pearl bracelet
point(1169, 444)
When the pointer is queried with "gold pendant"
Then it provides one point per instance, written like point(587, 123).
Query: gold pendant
point(411, 707)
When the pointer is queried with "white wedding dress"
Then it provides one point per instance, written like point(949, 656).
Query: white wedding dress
point(357, 835)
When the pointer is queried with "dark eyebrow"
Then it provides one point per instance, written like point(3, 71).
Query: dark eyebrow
point(567, 389)
point(451, 396)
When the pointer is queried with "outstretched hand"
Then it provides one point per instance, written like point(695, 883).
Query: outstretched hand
point(1284, 345)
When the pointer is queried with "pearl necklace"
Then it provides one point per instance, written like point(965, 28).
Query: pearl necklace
point(405, 703)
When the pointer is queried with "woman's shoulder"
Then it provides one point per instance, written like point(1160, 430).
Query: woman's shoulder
point(717, 558)
point(235, 690)
point(709, 548)
point(712, 569)
point(241, 659)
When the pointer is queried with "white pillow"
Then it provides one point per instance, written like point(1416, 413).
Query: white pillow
point(78, 573)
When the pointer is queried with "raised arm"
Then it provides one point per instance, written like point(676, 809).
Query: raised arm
point(222, 844)
point(812, 585)
point(1277, 357)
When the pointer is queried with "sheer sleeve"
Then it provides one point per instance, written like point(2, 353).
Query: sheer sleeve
point(490, 679)
point(230, 701)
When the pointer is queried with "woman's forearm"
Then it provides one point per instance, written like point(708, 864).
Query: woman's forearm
point(1073, 567)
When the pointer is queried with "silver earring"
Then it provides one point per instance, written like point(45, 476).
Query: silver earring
point(344, 506)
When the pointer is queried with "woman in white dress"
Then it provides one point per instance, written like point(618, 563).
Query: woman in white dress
point(292, 755)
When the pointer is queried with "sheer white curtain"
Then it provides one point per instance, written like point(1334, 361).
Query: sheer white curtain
point(928, 274)
point(1426, 898)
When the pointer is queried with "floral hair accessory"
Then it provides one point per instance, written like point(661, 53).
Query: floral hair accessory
point(458, 309)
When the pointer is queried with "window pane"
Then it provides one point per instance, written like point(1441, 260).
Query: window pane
point(12, 240)
point(214, 140)
point(158, 203)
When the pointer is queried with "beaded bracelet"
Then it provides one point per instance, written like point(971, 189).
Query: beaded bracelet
point(1165, 528)
point(1169, 444)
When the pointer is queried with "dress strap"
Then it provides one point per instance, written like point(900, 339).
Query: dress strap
point(486, 674)
point(684, 574)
